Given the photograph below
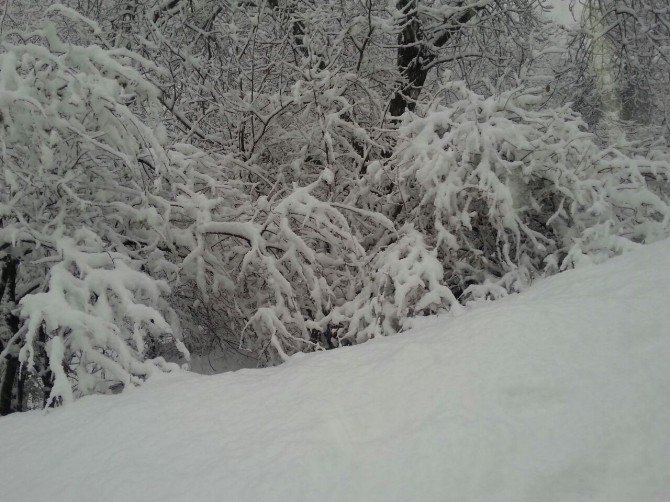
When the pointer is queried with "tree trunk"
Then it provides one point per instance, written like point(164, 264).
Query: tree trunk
point(409, 63)
point(46, 374)
point(12, 367)
point(415, 54)
point(8, 289)
point(7, 388)
point(20, 391)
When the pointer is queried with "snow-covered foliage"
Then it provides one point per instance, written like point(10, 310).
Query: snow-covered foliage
point(192, 174)
point(80, 208)
point(404, 279)
point(618, 67)
point(281, 259)
point(99, 213)
point(507, 189)
point(97, 311)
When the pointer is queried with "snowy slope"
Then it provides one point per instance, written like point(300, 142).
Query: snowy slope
point(558, 394)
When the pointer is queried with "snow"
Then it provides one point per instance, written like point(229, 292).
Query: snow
point(564, 13)
point(560, 393)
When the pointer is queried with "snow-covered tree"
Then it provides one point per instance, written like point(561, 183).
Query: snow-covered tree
point(508, 189)
point(245, 173)
point(80, 185)
point(100, 214)
point(620, 62)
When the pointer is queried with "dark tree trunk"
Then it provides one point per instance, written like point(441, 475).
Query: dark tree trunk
point(415, 53)
point(409, 61)
point(46, 374)
point(11, 370)
point(12, 365)
point(47, 385)
point(20, 391)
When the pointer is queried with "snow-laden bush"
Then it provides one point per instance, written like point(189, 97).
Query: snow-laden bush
point(98, 311)
point(281, 261)
point(403, 279)
point(264, 191)
point(83, 212)
point(101, 214)
point(507, 189)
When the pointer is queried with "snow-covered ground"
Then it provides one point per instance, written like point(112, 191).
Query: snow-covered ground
point(561, 393)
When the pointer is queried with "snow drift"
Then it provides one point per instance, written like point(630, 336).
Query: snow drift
point(559, 393)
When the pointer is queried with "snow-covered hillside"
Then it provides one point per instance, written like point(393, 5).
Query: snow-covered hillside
point(561, 393)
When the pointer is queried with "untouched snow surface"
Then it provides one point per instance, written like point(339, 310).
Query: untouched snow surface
point(561, 393)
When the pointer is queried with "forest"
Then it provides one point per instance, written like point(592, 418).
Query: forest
point(228, 183)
